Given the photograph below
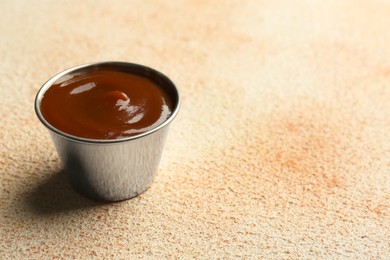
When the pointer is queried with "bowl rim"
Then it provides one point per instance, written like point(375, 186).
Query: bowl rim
point(96, 65)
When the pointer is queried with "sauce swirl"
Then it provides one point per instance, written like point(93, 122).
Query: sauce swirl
point(105, 104)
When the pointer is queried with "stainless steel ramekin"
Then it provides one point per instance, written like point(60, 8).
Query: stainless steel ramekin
point(111, 170)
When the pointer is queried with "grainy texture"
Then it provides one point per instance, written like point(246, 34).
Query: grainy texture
point(281, 148)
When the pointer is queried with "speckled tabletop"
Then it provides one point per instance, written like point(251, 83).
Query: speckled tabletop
point(281, 148)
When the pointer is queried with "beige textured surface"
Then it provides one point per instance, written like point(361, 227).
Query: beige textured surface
point(281, 148)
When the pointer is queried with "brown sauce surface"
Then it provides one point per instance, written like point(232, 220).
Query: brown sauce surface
point(105, 105)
